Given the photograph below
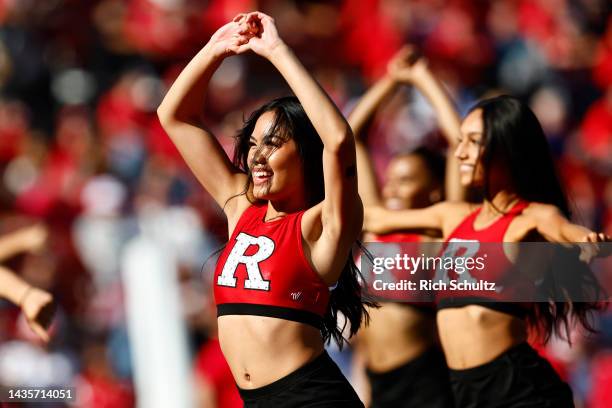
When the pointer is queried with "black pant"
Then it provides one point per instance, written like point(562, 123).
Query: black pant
point(319, 384)
point(421, 382)
point(519, 378)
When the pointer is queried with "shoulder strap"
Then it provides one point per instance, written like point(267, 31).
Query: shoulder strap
point(466, 224)
point(504, 222)
point(249, 214)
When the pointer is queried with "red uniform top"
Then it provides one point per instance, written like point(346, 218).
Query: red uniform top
point(401, 243)
point(263, 271)
point(465, 241)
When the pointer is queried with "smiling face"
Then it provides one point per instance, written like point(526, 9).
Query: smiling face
point(275, 164)
point(470, 149)
point(408, 184)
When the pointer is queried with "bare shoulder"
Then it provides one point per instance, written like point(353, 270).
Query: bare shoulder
point(541, 211)
point(524, 226)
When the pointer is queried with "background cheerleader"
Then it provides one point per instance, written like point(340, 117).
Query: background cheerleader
point(405, 366)
point(502, 150)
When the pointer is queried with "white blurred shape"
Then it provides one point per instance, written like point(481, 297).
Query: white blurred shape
point(25, 364)
point(73, 87)
point(155, 326)
point(103, 195)
point(20, 174)
point(99, 232)
point(177, 229)
point(169, 5)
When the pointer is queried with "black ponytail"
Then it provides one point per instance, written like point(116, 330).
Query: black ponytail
point(343, 300)
point(514, 136)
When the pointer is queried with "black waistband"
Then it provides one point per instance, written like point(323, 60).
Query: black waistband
point(519, 310)
point(428, 359)
point(492, 366)
point(308, 369)
point(279, 312)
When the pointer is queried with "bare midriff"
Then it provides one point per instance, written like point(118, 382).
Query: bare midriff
point(474, 335)
point(261, 350)
point(396, 334)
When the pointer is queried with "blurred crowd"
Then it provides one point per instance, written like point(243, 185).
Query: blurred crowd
point(82, 150)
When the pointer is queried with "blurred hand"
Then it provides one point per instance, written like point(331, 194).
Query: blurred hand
point(38, 309)
point(407, 65)
point(263, 36)
point(373, 220)
point(226, 41)
point(589, 247)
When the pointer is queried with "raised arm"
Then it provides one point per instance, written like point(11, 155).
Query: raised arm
point(369, 189)
point(341, 208)
point(180, 114)
point(332, 226)
point(410, 68)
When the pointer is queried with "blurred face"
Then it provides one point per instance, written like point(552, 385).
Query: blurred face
point(408, 184)
point(470, 148)
point(276, 167)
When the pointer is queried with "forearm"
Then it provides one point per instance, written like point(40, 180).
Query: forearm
point(379, 220)
point(553, 226)
point(185, 99)
point(448, 118)
point(12, 287)
point(369, 103)
point(324, 115)
point(449, 123)
point(573, 233)
point(367, 184)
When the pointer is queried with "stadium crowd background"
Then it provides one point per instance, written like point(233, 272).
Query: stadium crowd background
point(81, 147)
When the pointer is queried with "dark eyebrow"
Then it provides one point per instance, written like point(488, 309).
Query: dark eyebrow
point(252, 138)
point(474, 134)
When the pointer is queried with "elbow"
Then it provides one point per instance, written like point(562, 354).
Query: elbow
point(341, 141)
point(169, 118)
point(164, 115)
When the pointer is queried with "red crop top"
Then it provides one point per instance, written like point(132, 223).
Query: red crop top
point(465, 241)
point(401, 243)
point(263, 271)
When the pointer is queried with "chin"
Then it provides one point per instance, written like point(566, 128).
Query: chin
point(260, 194)
point(266, 194)
point(468, 181)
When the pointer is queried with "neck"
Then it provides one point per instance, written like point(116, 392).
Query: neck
point(501, 201)
point(279, 208)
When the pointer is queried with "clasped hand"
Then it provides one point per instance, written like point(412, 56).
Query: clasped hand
point(254, 31)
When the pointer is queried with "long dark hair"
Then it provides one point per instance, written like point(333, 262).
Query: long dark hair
point(513, 136)
point(291, 121)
